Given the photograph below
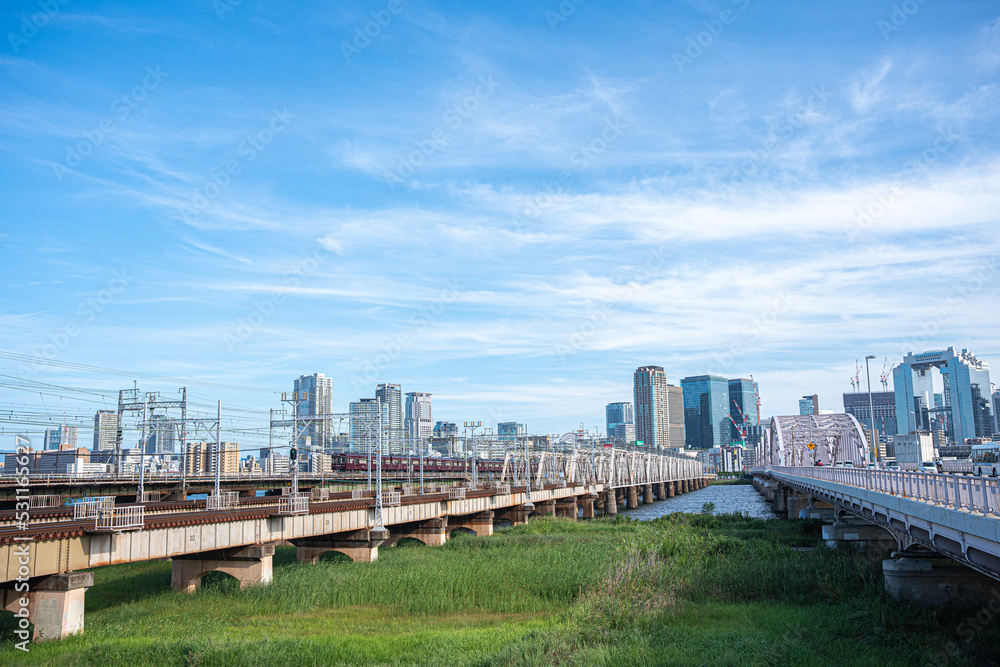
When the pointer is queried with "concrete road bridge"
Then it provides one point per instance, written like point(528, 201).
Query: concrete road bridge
point(44, 548)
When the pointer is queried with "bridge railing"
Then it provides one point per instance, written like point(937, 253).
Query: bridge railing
point(391, 498)
point(456, 493)
point(226, 500)
point(294, 504)
point(119, 518)
point(961, 492)
point(88, 507)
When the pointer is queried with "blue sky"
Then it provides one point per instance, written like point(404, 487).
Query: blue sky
point(511, 207)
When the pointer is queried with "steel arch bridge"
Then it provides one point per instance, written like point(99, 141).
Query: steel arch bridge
point(837, 437)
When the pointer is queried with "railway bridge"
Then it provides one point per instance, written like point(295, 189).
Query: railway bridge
point(46, 552)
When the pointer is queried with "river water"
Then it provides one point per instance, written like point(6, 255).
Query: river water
point(728, 498)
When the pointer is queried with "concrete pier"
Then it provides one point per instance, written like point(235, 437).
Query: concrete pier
point(633, 498)
point(251, 566)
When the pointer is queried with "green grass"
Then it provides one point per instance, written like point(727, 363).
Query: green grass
point(682, 590)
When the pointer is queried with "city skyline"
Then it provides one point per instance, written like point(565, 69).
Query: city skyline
point(186, 199)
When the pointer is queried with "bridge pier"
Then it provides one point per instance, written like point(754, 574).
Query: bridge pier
point(361, 546)
point(854, 533)
point(515, 515)
point(431, 532)
point(647, 494)
point(661, 491)
point(588, 506)
point(545, 508)
point(610, 502)
point(797, 504)
point(567, 508)
point(633, 498)
point(55, 604)
point(671, 489)
point(251, 566)
point(934, 582)
point(480, 524)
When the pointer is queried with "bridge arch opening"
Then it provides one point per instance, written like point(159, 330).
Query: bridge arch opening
point(335, 558)
point(409, 543)
point(219, 582)
point(502, 523)
point(461, 531)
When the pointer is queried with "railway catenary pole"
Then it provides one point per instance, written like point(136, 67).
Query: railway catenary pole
point(142, 449)
point(218, 450)
point(528, 505)
point(378, 476)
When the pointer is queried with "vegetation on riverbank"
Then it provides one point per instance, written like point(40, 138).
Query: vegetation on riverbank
point(684, 589)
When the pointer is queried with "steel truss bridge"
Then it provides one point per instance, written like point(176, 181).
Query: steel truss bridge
point(614, 468)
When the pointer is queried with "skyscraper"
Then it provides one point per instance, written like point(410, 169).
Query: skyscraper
point(364, 427)
point(510, 430)
point(652, 414)
point(742, 399)
point(615, 414)
point(161, 435)
point(966, 382)
point(391, 398)
point(675, 414)
point(315, 398)
point(809, 405)
point(884, 403)
point(418, 423)
point(105, 430)
point(706, 411)
point(61, 437)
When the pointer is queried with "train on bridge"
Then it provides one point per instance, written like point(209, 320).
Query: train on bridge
point(360, 462)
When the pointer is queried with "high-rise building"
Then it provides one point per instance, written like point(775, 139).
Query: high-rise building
point(996, 411)
point(510, 430)
point(391, 398)
point(966, 382)
point(884, 404)
point(315, 398)
point(625, 433)
point(201, 458)
point(706, 411)
point(809, 405)
point(615, 414)
point(161, 435)
point(652, 413)
point(743, 406)
point(364, 425)
point(105, 430)
point(418, 424)
point(61, 437)
point(675, 416)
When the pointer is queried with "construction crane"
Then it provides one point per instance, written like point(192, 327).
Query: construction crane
point(884, 378)
point(856, 378)
point(756, 395)
point(740, 429)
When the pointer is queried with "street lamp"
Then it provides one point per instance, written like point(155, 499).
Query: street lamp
point(871, 407)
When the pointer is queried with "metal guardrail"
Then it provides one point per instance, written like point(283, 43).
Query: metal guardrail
point(297, 504)
point(320, 494)
point(501, 489)
point(359, 494)
point(130, 517)
point(960, 492)
point(410, 490)
point(456, 492)
point(151, 496)
point(88, 507)
point(390, 498)
point(35, 502)
point(227, 500)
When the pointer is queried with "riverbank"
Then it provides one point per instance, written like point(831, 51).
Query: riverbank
point(683, 589)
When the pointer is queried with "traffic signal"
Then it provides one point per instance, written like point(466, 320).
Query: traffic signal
point(293, 454)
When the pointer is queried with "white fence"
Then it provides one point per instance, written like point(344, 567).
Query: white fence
point(151, 496)
point(456, 492)
point(974, 494)
point(320, 494)
point(120, 518)
point(35, 502)
point(297, 504)
point(390, 498)
point(359, 494)
point(501, 489)
point(88, 507)
point(226, 500)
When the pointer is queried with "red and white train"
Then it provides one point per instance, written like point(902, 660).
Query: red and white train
point(359, 462)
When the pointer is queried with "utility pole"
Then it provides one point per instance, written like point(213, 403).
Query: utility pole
point(871, 409)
